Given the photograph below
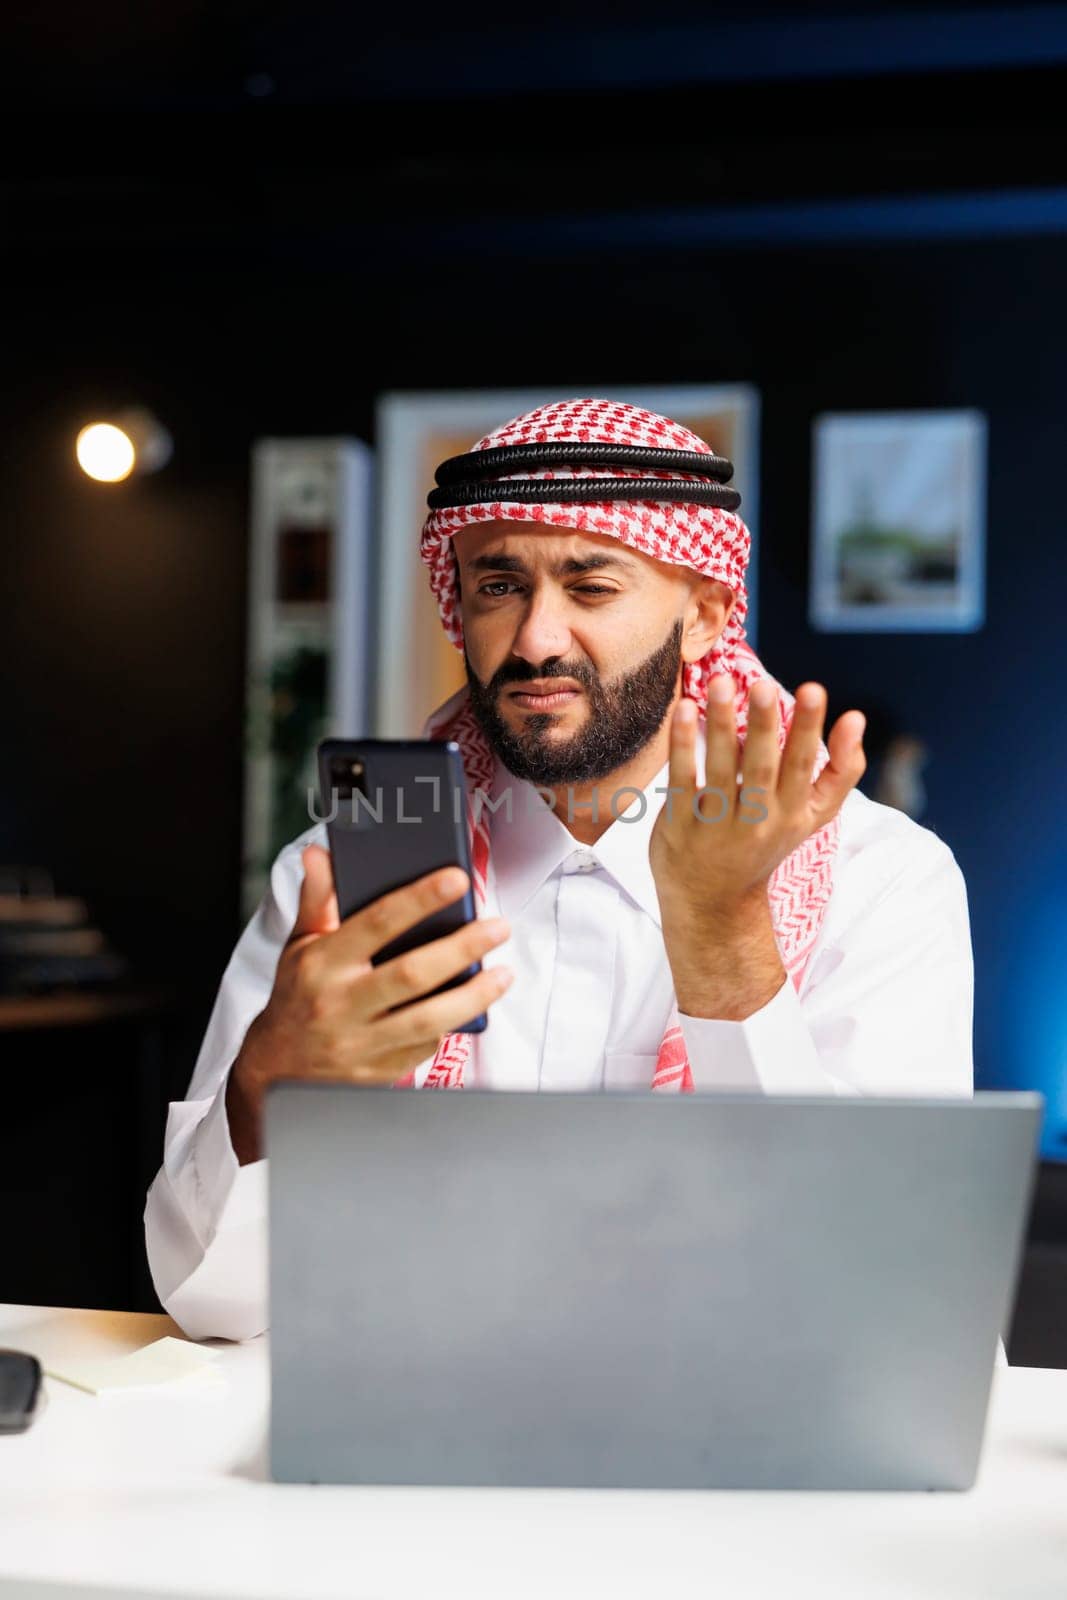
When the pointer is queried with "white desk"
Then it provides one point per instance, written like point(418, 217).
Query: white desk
point(156, 1494)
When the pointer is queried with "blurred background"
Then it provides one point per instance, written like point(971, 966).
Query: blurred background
point(274, 242)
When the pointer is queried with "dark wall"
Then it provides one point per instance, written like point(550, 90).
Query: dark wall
point(125, 606)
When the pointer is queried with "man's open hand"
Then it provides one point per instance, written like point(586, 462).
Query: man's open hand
point(713, 849)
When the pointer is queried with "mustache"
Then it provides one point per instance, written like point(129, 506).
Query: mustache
point(524, 673)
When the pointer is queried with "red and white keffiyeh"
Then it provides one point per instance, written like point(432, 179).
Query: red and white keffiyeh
point(707, 539)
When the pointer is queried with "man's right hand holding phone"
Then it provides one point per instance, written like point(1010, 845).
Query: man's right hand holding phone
point(332, 1015)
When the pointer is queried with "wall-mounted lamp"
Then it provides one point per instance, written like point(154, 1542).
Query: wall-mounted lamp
point(131, 441)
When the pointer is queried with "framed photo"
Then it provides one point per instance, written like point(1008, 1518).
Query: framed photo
point(417, 665)
point(307, 667)
point(898, 522)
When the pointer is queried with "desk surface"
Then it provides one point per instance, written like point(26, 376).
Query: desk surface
point(155, 1494)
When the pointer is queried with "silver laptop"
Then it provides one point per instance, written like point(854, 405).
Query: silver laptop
point(639, 1290)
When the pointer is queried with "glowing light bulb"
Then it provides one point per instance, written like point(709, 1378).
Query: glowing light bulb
point(105, 452)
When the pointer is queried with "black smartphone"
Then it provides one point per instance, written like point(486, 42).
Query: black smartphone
point(396, 809)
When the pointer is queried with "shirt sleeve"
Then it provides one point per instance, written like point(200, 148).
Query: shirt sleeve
point(886, 1007)
point(205, 1215)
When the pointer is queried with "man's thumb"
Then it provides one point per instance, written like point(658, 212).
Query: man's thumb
point(317, 911)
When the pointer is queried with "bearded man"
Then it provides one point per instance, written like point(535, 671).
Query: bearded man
point(689, 889)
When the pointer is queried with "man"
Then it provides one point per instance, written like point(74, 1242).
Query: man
point(690, 890)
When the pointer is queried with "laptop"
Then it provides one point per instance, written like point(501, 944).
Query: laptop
point(633, 1290)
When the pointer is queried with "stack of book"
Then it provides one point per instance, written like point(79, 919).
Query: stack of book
point(47, 941)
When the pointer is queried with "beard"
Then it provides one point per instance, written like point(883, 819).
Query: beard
point(624, 714)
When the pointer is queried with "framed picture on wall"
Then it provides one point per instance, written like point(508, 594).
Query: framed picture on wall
point(417, 665)
point(898, 522)
point(307, 666)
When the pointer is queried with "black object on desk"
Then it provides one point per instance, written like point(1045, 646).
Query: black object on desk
point(20, 1385)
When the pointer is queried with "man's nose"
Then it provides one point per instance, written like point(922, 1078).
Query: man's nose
point(543, 631)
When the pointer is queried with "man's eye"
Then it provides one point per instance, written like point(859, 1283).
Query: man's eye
point(585, 588)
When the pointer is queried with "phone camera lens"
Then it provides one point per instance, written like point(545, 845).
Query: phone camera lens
point(347, 776)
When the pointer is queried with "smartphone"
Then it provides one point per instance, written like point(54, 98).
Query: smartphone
point(396, 809)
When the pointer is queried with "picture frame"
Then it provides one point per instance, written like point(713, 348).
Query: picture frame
point(898, 522)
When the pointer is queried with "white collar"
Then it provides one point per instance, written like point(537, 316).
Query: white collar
point(529, 841)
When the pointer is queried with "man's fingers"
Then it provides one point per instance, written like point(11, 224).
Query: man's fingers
point(720, 735)
point(681, 755)
point(846, 765)
point(427, 1020)
point(366, 932)
point(801, 748)
point(412, 975)
point(317, 911)
point(759, 761)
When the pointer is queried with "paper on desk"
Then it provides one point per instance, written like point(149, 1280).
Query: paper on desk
point(166, 1363)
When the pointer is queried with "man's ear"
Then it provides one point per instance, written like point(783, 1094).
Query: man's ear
point(706, 615)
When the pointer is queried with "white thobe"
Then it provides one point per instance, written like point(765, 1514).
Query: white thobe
point(885, 1007)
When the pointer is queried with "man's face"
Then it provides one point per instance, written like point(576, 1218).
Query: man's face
point(573, 645)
